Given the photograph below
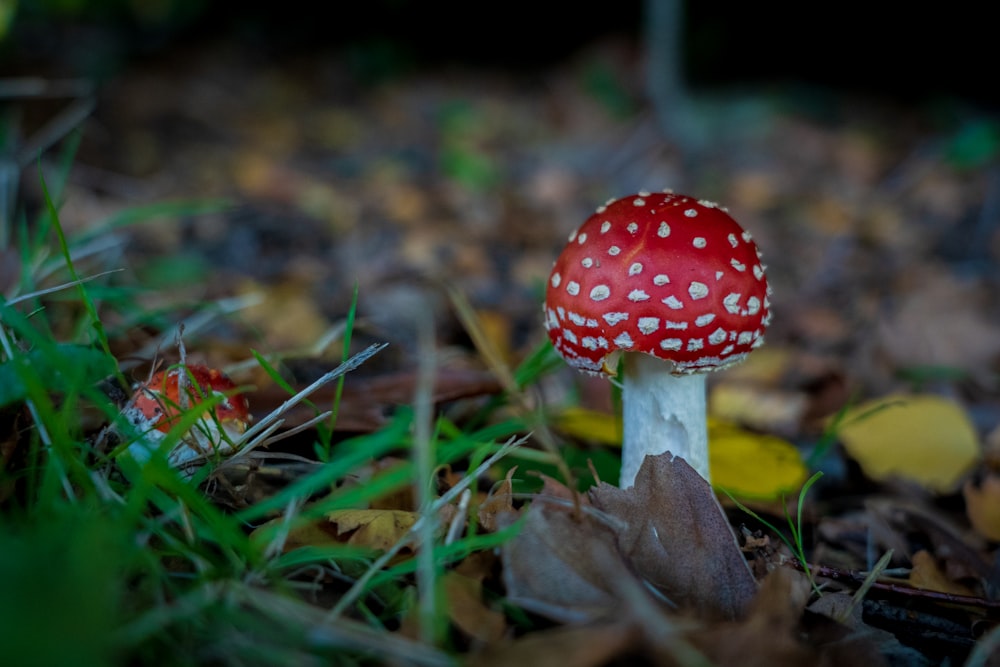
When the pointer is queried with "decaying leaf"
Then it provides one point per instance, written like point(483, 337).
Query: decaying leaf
point(563, 566)
point(676, 537)
point(588, 645)
point(927, 574)
point(668, 530)
point(922, 438)
point(982, 505)
point(374, 529)
point(468, 612)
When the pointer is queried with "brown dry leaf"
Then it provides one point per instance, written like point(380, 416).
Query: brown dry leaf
point(499, 501)
point(927, 575)
point(982, 506)
point(588, 645)
point(768, 634)
point(469, 613)
point(562, 566)
point(677, 537)
point(922, 438)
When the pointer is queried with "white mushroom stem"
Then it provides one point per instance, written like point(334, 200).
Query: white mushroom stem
point(662, 412)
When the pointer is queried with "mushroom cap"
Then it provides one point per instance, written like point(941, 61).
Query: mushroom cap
point(663, 274)
point(158, 401)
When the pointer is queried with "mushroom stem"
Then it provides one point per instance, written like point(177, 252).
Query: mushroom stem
point(661, 412)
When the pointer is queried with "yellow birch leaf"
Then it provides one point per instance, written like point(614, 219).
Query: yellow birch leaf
point(753, 465)
point(922, 438)
point(590, 425)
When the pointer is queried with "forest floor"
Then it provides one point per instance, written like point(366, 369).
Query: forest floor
point(440, 198)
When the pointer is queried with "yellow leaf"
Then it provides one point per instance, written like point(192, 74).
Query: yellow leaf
point(751, 465)
point(374, 529)
point(590, 425)
point(746, 464)
point(923, 438)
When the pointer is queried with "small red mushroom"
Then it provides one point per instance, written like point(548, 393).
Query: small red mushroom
point(158, 404)
point(680, 282)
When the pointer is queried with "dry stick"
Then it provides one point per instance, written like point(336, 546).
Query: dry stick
point(423, 461)
point(856, 577)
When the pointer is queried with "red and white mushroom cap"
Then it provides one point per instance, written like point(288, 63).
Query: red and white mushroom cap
point(662, 274)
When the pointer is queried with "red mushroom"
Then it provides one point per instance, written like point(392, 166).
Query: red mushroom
point(158, 404)
point(680, 282)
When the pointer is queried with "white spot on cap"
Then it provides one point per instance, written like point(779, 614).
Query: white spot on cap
point(648, 325)
point(698, 290)
point(718, 275)
point(731, 303)
point(562, 312)
point(643, 193)
point(745, 338)
point(581, 239)
point(605, 226)
point(753, 305)
point(695, 344)
point(614, 318)
point(635, 269)
point(690, 213)
point(669, 324)
point(592, 323)
point(738, 265)
point(699, 242)
point(600, 292)
point(638, 201)
point(589, 342)
point(637, 295)
point(576, 318)
point(555, 280)
point(732, 240)
point(664, 230)
point(623, 340)
point(746, 236)
point(551, 321)
point(632, 228)
point(673, 302)
point(705, 319)
point(717, 337)
point(671, 344)
point(587, 262)
point(614, 250)
point(569, 336)
point(572, 235)
point(573, 288)
point(758, 271)
point(660, 279)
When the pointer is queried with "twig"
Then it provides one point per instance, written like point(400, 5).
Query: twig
point(857, 577)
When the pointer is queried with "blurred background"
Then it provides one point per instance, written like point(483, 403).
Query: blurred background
point(409, 146)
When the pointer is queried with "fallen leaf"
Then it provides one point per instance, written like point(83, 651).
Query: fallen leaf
point(562, 566)
point(922, 438)
point(468, 612)
point(982, 506)
point(589, 425)
point(588, 645)
point(374, 529)
point(499, 501)
point(927, 575)
point(753, 465)
point(744, 463)
point(676, 536)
